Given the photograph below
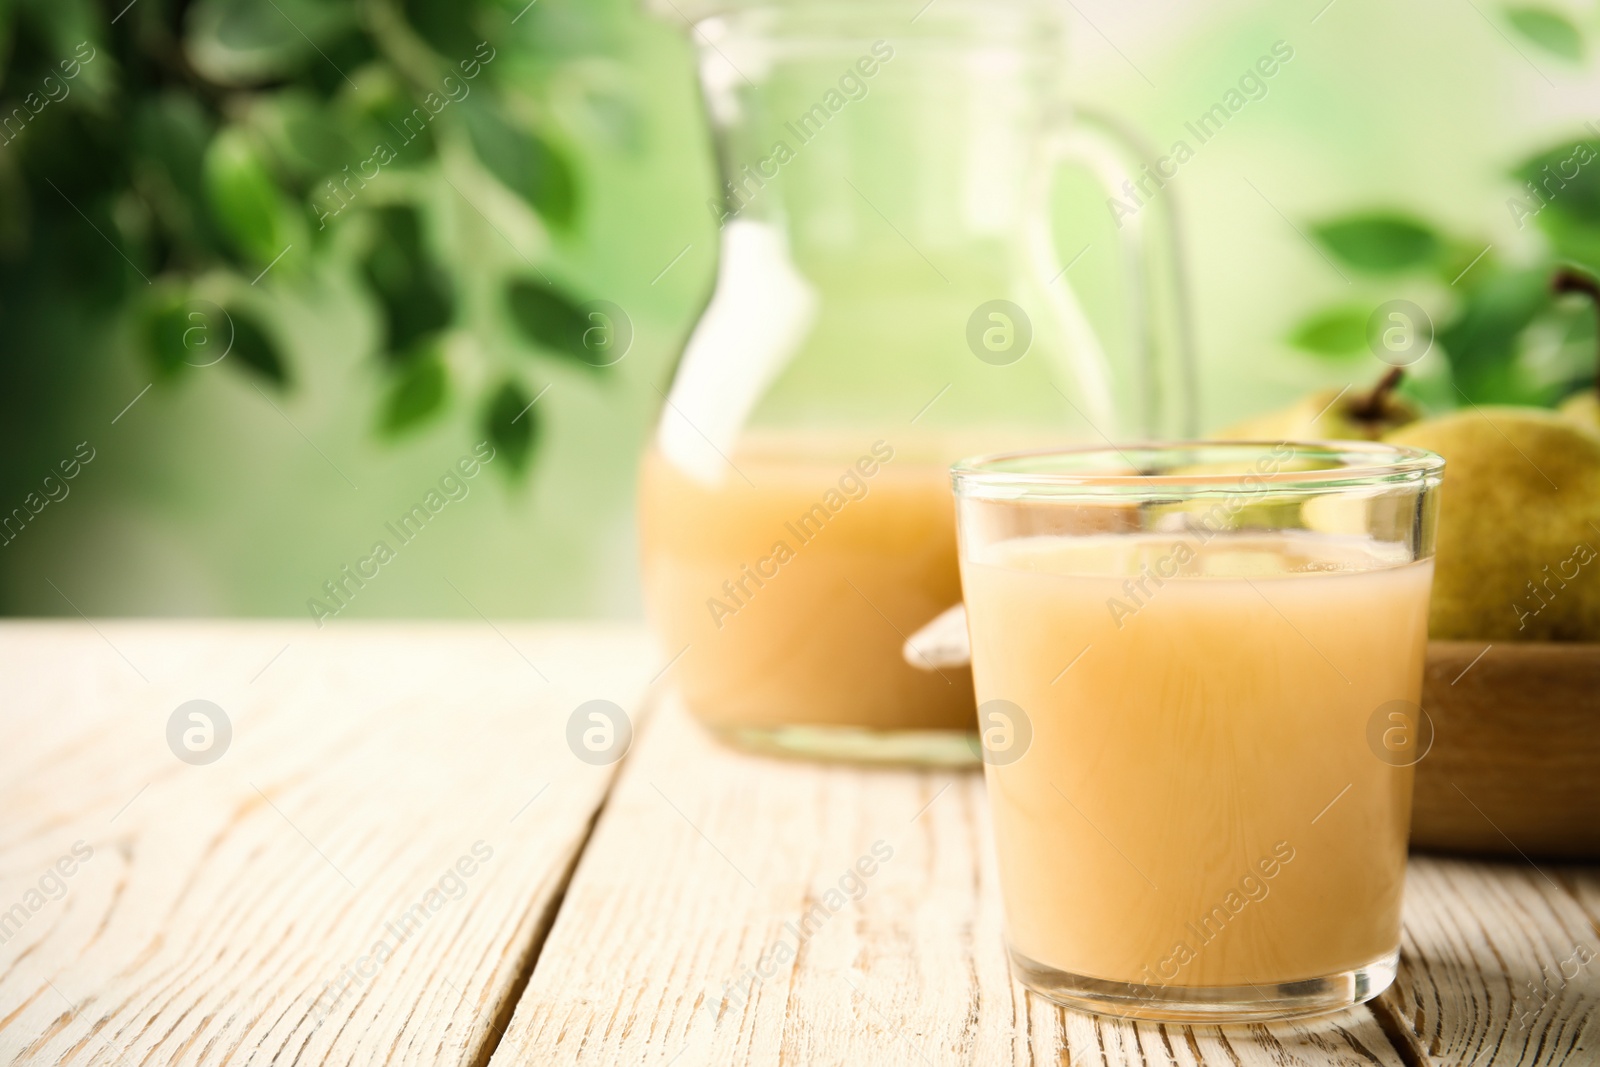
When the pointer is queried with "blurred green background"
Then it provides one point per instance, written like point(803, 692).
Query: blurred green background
point(178, 179)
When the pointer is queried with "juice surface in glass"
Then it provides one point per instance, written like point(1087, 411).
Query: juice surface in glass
point(1199, 804)
point(793, 583)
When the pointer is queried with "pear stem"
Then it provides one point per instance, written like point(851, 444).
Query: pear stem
point(1369, 406)
point(1571, 280)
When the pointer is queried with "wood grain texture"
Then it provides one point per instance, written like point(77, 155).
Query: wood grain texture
point(1515, 752)
point(217, 902)
point(154, 912)
point(1500, 963)
point(705, 861)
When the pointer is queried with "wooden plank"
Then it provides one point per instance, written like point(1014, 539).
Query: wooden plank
point(1501, 963)
point(397, 785)
point(705, 862)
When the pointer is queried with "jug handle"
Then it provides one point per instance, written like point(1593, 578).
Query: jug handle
point(1151, 253)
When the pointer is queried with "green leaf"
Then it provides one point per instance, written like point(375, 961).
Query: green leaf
point(418, 392)
point(303, 135)
point(348, 50)
point(554, 189)
point(14, 212)
point(245, 42)
point(170, 134)
point(382, 113)
point(1379, 242)
point(549, 319)
point(447, 25)
point(1565, 193)
point(1550, 30)
point(180, 330)
point(1464, 261)
point(1481, 341)
point(255, 348)
point(414, 290)
point(509, 423)
point(166, 332)
point(524, 161)
point(245, 202)
point(56, 28)
point(1333, 331)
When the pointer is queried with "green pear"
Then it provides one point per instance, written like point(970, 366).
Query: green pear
point(1325, 415)
point(1518, 546)
point(1331, 415)
point(1583, 408)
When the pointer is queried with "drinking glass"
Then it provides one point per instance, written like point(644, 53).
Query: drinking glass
point(1198, 669)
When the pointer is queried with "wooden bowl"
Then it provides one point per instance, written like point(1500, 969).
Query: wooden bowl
point(1515, 762)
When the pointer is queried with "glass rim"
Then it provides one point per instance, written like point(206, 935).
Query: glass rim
point(1052, 471)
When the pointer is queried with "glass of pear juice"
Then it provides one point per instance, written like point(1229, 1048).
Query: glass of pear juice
point(1198, 669)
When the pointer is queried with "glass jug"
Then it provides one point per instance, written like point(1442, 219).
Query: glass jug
point(896, 186)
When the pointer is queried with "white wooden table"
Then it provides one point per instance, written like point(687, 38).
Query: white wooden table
point(410, 786)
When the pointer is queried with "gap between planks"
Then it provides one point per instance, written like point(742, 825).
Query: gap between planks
point(540, 934)
point(219, 897)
